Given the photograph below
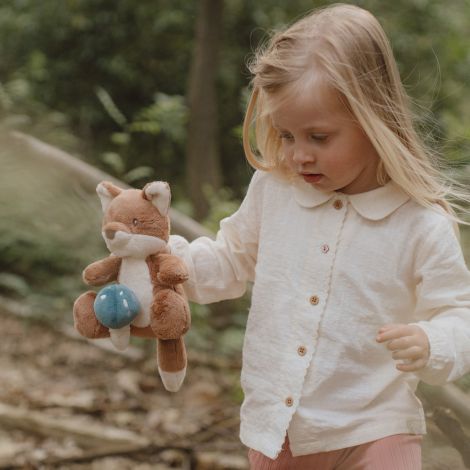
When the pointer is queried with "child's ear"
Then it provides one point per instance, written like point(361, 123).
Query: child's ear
point(107, 192)
point(159, 194)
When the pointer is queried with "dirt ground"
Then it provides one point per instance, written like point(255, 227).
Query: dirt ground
point(67, 404)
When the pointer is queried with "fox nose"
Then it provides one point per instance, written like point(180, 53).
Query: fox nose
point(110, 229)
point(110, 233)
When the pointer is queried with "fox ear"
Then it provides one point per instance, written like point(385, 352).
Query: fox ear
point(159, 194)
point(107, 192)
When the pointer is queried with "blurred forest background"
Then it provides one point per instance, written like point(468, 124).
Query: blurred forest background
point(156, 89)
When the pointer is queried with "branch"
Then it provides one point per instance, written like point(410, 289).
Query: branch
point(447, 396)
point(89, 177)
point(84, 432)
point(453, 430)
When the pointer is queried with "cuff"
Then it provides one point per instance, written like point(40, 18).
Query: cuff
point(441, 355)
point(179, 246)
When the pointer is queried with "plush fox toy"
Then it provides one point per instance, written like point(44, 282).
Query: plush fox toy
point(136, 229)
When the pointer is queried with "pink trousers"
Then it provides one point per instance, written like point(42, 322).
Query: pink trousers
point(397, 452)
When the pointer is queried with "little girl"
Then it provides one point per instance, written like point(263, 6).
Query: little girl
point(347, 235)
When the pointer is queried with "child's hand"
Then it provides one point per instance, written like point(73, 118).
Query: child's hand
point(408, 342)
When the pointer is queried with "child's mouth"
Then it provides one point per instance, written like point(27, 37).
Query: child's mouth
point(312, 177)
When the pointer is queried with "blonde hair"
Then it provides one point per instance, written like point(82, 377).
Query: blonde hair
point(348, 47)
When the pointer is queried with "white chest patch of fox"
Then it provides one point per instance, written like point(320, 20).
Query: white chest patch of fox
point(134, 273)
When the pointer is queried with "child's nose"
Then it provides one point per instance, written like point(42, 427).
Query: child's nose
point(303, 155)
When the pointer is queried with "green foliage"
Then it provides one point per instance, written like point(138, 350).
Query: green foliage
point(201, 335)
point(20, 110)
point(464, 383)
point(13, 284)
point(230, 341)
point(222, 203)
point(51, 232)
point(435, 70)
point(465, 242)
point(121, 87)
point(75, 57)
point(166, 116)
point(110, 107)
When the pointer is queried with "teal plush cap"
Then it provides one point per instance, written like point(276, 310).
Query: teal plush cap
point(116, 306)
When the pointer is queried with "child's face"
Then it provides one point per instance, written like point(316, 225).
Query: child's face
point(323, 144)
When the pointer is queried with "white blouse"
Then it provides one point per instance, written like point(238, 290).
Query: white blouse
point(329, 270)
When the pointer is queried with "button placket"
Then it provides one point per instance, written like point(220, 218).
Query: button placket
point(323, 255)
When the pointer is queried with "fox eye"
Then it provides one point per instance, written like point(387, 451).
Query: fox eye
point(135, 222)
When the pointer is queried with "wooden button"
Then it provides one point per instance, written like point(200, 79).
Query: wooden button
point(302, 350)
point(314, 300)
point(338, 204)
point(289, 401)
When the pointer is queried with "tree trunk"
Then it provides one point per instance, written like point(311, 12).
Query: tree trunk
point(202, 158)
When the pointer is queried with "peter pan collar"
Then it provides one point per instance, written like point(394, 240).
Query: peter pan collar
point(373, 205)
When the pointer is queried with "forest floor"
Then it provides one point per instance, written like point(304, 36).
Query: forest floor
point(67, 404)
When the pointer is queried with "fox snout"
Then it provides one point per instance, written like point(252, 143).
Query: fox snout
point(110, 234)
point(112, 228)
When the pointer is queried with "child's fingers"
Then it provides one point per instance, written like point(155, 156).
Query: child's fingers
point(404, 342)
point(389, 326)
point(413, 353)
point(411, 366)
point(392, 332)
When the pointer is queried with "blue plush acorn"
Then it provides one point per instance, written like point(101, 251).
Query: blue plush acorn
point(116, 306)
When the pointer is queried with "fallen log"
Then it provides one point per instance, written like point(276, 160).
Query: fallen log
point(87, 433)
point(102, 452)
point(88, 176)
point(452, 428)
point(447, 396)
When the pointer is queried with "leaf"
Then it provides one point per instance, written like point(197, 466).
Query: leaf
point(5, 100)
point(120, 138)
point(167, 114)
point(139, 173)
point(231, 341)
point(110, 107)
point(12, 283)
point(147, 127)
point(114, 161)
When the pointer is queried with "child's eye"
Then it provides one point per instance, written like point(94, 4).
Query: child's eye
point(319, 137)
point(286, 136)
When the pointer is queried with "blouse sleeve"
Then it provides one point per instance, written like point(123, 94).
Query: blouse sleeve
point(443, 304)
point(219, 269)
